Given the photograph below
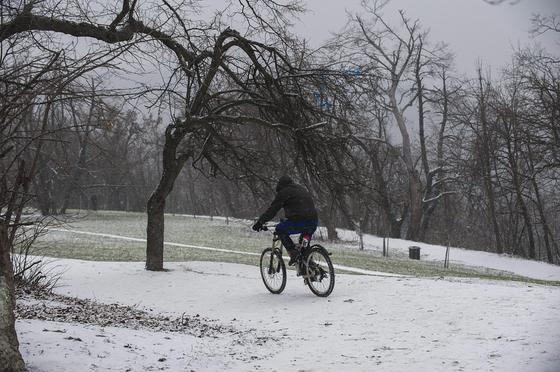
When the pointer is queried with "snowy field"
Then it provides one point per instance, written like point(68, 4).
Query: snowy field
point(409, 316)
point(368, 323)
point(516, 265)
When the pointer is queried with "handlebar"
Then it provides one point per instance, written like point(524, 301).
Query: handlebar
point(265, 227)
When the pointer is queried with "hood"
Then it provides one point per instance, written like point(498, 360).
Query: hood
point(283, 182)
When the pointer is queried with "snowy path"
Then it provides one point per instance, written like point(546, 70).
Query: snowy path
point(394, 324)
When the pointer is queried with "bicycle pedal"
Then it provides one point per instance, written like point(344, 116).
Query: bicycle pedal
point(306, 276)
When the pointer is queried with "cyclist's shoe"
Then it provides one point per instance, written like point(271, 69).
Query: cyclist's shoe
point(294, 256)
point(301, 269)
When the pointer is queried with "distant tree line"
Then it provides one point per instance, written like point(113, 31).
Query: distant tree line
point(409, 148)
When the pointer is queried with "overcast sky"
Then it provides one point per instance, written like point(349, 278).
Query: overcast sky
point(473, 29)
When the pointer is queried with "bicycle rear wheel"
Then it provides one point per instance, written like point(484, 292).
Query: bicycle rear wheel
point(320, 271)
point(273, 270)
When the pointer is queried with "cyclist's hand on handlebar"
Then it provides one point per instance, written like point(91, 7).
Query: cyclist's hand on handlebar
point(258, 226)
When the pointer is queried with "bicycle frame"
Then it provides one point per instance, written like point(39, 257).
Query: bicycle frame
point(276, 242)
point(312, 271)
point(304, 239)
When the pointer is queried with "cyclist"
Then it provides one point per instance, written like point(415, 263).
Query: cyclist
point(300, 212)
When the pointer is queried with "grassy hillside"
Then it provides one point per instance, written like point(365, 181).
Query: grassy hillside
point(237, 235)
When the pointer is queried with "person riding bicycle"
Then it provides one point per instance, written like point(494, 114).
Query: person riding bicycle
point(300, 212)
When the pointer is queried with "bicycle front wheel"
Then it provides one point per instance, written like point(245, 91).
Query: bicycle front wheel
point(319, 271)
point(273, 270)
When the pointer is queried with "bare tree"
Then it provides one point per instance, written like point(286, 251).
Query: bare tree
point(398, 59)
point(21, 84)
point(224, 80)
point(487, 154)
point(257, 75)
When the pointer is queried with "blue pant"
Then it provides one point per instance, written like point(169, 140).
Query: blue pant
point(287, 227)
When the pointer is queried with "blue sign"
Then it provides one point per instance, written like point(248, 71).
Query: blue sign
point(320, 101)
point(356, 71)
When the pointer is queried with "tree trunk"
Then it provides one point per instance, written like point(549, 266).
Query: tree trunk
point(519, 195)
point(44, 182)
point(327, 219)
point(73, 183)
point(540, 207)
point(487, 174)
point(427, 211)
point(231, 210)
point(332, 234)
point(10, 357)
point(154, 232)
point(416, 205)
point(76, 175)
point(426, 219)
point(546, 229)
point(433, 187)
point(172, 165)
point(360, 232)
point(414, 183)
point(385, 200)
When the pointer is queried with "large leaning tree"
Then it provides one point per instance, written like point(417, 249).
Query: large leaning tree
point(217, 81)
point(221, 78)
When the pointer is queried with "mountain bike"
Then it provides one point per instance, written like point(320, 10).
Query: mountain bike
point(313, 264)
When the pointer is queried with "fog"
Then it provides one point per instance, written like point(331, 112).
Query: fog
point(475, 30)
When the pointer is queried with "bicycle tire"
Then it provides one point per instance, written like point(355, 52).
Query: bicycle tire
point(273, 270)
point(320, 271)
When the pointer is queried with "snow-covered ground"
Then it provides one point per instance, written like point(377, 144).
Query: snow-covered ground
point(382, 323)
point(516, 265)
point(57, 346)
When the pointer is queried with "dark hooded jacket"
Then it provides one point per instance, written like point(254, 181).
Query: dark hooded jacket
point(295, 199)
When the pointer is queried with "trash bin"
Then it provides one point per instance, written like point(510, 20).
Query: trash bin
point(414, 253)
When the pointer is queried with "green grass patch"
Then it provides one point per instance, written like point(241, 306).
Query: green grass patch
point(217, 234)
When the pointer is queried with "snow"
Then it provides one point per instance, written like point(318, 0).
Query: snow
point(63, 346)
point(394, 324)
point(515, 265)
